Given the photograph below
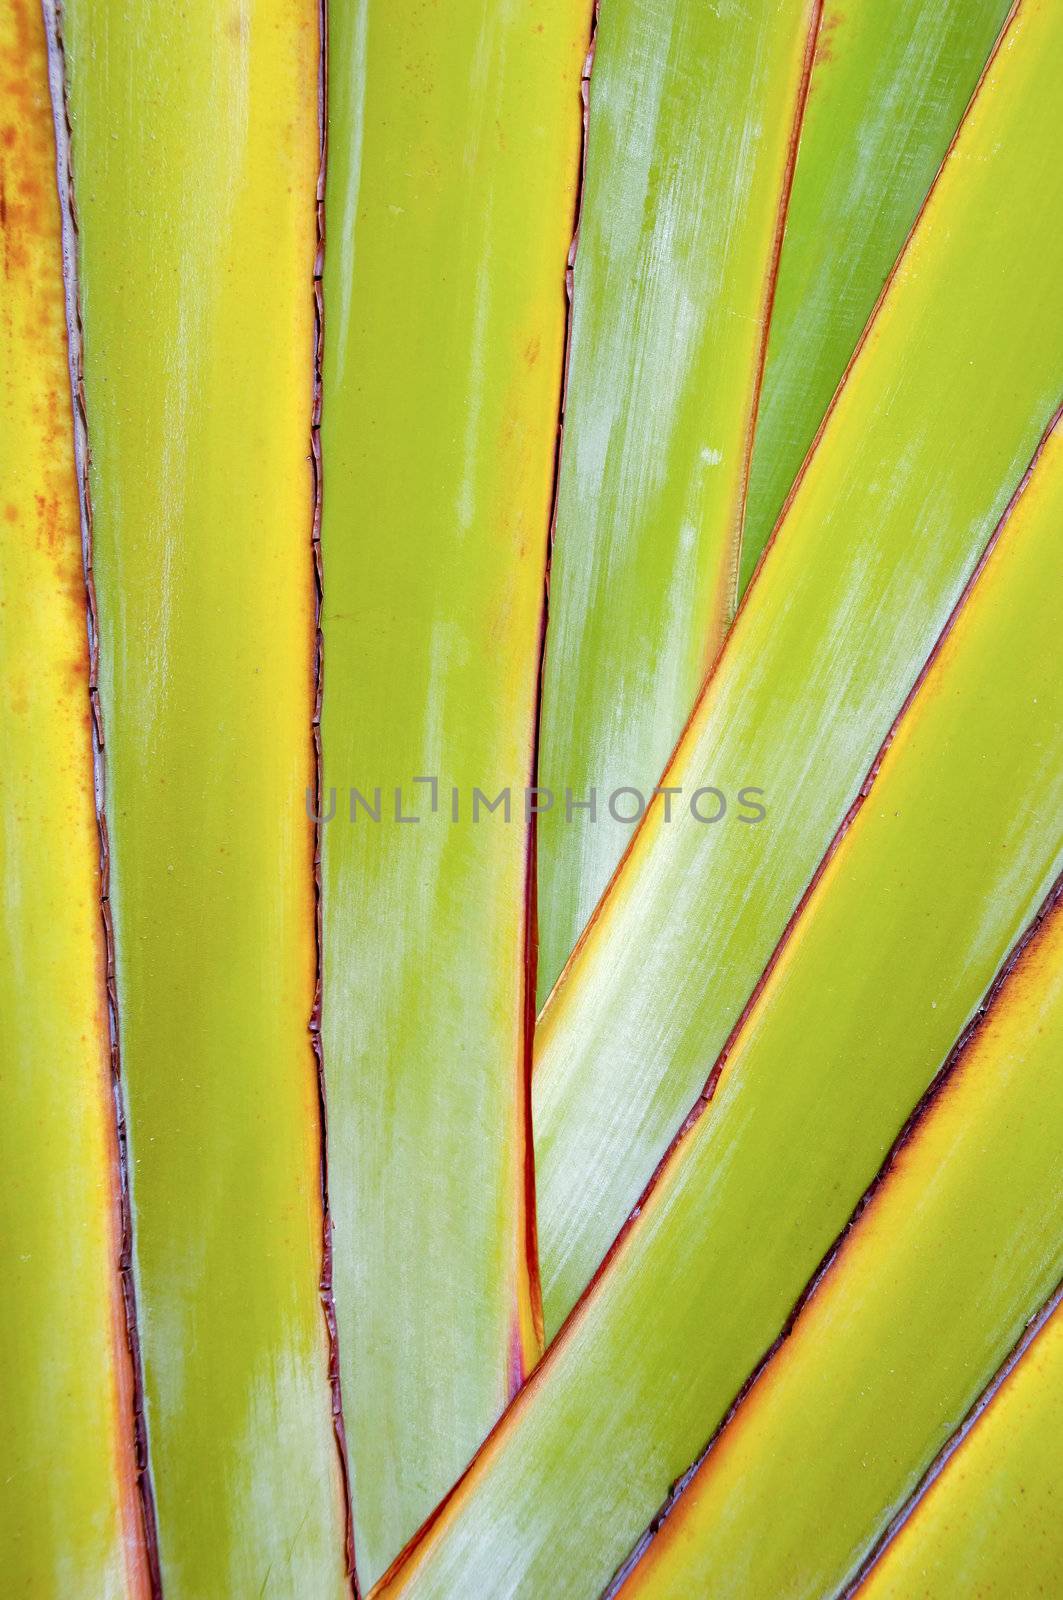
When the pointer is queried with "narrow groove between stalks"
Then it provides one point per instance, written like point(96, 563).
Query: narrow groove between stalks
point(58, 89)
point(531, 903)
point(325, 1287)
point(786, 191)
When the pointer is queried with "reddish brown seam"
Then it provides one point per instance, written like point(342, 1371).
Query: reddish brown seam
point(728, 643)
point(1053, 902)
point(531, 909)
point(1029, 1336)
point(325, 1287)
point(58, 88)
point(772, 285)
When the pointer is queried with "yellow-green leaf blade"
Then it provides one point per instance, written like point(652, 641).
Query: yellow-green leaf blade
point(195, 142)
point(888, 88)
point(938, 420)
point(70, 1521)
point(692, 117)
point(951, 856)
point(989, 1525)
point(454, 136)
point(959, 1248)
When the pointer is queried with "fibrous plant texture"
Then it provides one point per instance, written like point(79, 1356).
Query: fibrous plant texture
point(531, 813)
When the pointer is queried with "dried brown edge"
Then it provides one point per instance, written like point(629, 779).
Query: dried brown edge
point(58, 88)
point(531, 900)
point(619, 871)
point(1052, 904)
point(325, 1286)
point(771, 286)
point(672, 1154)
point(1029, 1336)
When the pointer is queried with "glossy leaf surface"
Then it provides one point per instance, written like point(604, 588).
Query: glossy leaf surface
point(69, 1512)
point(888, 88)
point(693, 113)
point(952, 854)
point(926, 443)
point(195, 142)
point(882, 1364)
point(989, 1526)
point(454, 136)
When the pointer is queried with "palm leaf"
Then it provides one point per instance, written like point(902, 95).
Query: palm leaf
point(337, 336)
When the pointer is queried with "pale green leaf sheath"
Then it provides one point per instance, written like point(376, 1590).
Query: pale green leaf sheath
point(195, 146)
point(959, 1247)
point(693, 112)
point(988, 1528)
point(889, 85)
point(928, 437)
point(942, 870)
point(454, 135)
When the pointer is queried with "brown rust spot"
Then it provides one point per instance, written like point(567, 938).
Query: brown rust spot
point(27, 205)
point(30, 188)
point(51, 523)
point(74, 672)
point(826, 40)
